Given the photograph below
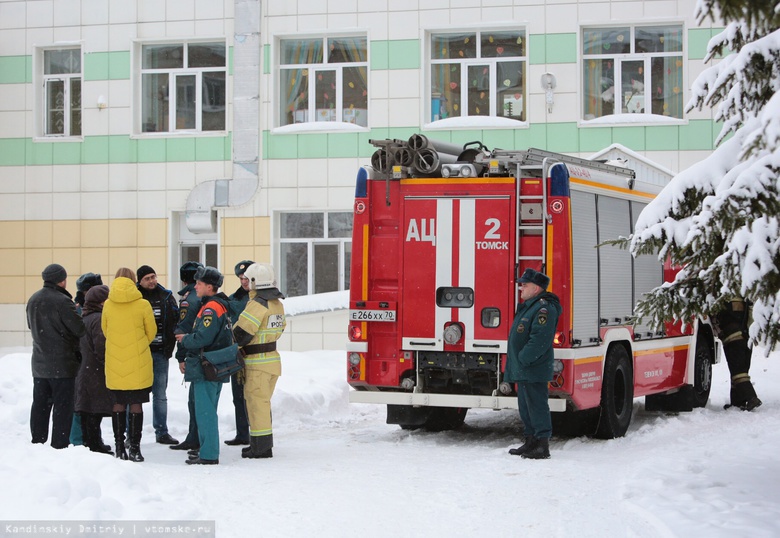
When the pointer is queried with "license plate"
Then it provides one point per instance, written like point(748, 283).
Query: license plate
point(372, 315)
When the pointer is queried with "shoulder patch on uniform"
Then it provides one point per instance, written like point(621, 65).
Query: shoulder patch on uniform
point(542, 318)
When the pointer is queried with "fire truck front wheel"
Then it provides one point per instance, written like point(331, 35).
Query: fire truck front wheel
point(617, 394)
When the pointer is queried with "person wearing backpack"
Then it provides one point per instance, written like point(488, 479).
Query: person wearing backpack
point(211, 332)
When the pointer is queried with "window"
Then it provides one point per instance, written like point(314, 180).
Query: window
point(315, 86)
point(478, 74)
point(316, 250)
point(62, 92)
point(183, 87)
point(633, 70)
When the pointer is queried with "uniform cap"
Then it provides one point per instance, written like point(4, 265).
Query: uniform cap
point(87, 280)
point(187, 271)
point(534, 277)
point(209, 275)
point(241, 267)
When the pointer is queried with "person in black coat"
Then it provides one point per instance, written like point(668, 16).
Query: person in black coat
point(93, 399)
point(166, 314)
point(56, 329)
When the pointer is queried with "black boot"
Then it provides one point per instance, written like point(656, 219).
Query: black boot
point(528, 444)
point(743, 395)
point(136, 425)
point(90, 426)
point(259, 447)
point(541, 451)
point(118, 421)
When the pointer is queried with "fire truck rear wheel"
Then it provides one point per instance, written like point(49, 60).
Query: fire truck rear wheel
point(702, 366)
point(617, 394)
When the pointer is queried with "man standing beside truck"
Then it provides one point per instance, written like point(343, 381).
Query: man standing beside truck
point(530, 359)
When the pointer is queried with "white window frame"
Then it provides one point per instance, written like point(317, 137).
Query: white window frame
point(430, 121)
point(41, 82)
point(173, 74)
point(311, 243)
point(619, 60)
point(314, 68)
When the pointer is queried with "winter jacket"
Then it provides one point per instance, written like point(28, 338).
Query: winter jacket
point(92, 395)
point(56, 329)
point(238, 301)
point(260, 325)
point(189, 305)
point(166, 315)
point(211, 332)
point(530, 348)
point(129, 325)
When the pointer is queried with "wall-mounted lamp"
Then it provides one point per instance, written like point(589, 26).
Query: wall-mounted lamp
point(548, 85)
point(101, 102)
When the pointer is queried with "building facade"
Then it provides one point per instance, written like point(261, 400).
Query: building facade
point(158, 131)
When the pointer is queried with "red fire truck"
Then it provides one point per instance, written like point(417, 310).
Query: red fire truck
point(440, 234)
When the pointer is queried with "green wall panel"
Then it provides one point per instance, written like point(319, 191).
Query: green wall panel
point(119, 65)
point(39, 153)
point(631, 137)
point(404, 54)
point(151, 150)
point(697, 135)
point(313, 146)
point(67, 153)
point(595, 138)
point(562, 137)
point(561, 48)
point(282, 146)
point(95, 150)
point(180, 149)
point(537, 49)
point(122, 149)
point(96, 66)
point(342, 145)
point(14, 69)
point(662, 138)
point(267, 59)
point(211, 148)
point(380, 54)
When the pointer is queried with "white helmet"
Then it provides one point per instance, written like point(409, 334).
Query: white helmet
point(261, 275)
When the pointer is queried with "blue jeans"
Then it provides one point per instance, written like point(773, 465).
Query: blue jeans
point(534, 409)
point(159, 398)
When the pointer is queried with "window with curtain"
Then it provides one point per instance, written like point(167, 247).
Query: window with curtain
point(633, 70)
point(481, 73)
point(323, 79)
point(315, 252)
point(61, 92)
point(183, 87)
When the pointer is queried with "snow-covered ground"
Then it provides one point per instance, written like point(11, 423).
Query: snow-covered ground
point(339, 470)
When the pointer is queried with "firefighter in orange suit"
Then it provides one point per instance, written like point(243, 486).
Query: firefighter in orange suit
point(258, 328)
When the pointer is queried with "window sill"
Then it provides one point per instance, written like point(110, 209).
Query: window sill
point(475, 122)
point(180, 134)
point(56, 138)
point(320, 127)
point(639, 120)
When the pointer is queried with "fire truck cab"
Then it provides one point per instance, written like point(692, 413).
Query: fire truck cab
point(440, 234)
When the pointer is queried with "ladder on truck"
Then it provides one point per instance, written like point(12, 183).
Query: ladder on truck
point(535, 162)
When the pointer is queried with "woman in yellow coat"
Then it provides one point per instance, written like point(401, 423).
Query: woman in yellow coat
point(129, 326)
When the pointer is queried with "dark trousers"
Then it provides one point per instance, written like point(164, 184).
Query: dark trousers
point(48, 394)
point(534, 409)
point(242, 420)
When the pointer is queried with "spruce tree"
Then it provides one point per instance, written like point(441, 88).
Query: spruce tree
point(719, 218)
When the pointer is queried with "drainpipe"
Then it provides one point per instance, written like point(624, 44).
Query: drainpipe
point(200, 215)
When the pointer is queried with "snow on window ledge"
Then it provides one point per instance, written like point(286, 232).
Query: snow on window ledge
point(632, 119)
point(320, 126)
point(476, 122)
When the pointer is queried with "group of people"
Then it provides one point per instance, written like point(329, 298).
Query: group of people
point(106, 352)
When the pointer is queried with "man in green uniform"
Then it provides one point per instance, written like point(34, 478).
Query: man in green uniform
point(530, 361)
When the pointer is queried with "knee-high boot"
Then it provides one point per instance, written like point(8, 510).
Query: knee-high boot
point(90, 426)
point(118, 421)
point(136, 425)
